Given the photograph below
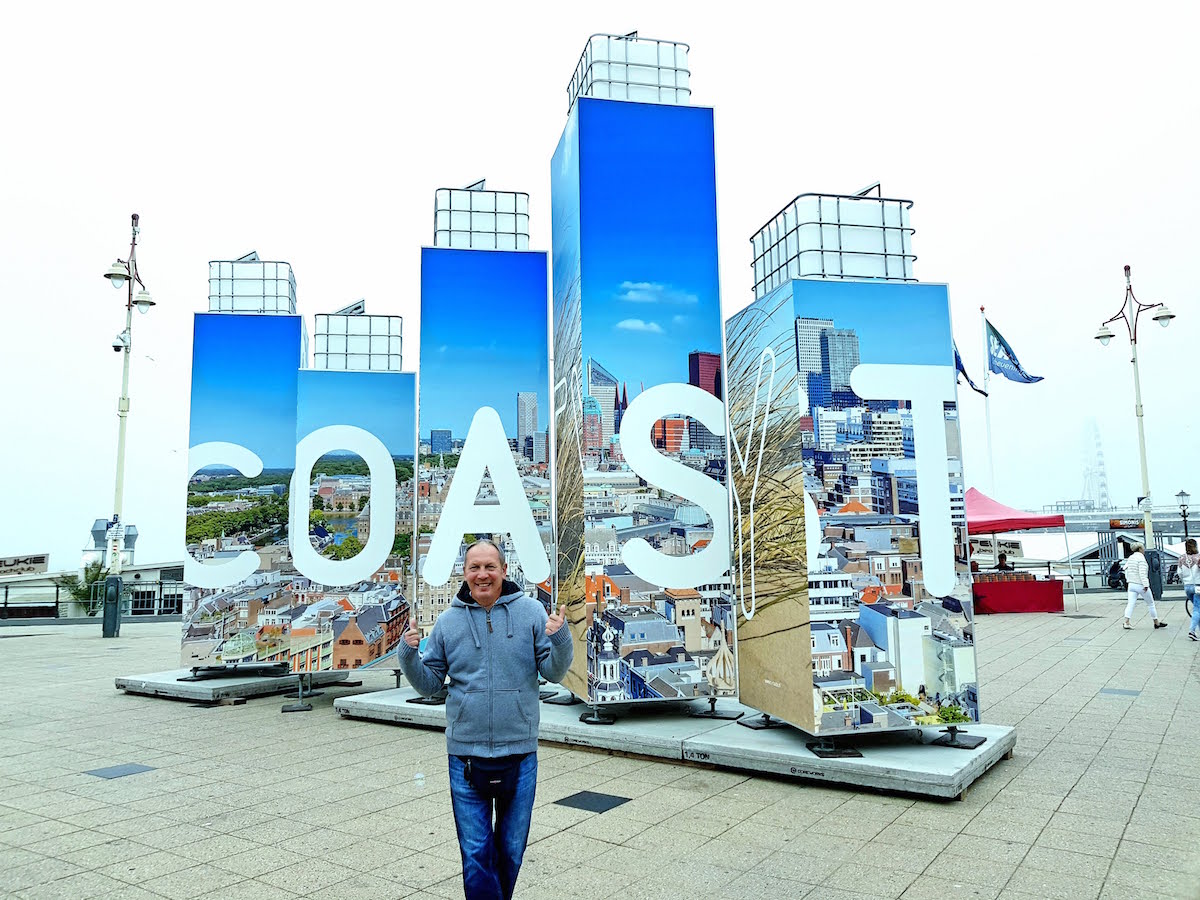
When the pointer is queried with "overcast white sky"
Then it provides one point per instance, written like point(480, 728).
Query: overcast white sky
point(1044, 145)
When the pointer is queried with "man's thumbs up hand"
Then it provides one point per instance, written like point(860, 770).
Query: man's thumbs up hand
point(412, 636)
point(555, 622)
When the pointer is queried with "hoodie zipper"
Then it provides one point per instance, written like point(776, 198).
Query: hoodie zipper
point(491, 685)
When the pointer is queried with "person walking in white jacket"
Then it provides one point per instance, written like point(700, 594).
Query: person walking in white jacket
point(1137, 573)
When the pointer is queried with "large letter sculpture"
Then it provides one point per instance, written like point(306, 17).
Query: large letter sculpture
point(484, 403)
point(277, 476)
point(641, 514)
point(846, 391)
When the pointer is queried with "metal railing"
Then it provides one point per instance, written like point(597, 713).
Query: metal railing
point(48, 601)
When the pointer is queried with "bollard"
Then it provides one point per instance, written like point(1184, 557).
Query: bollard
point(112, 607)
point(1155, 565)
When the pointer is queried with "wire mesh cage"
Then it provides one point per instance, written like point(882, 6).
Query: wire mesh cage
point(834, 236)
point(627, 67)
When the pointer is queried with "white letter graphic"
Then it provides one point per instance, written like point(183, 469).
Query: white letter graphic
point(245, 564)
point(927, 388)
point(486, 448)
point(643, 560)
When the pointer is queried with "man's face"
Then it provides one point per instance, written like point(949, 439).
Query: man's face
point(485, 574)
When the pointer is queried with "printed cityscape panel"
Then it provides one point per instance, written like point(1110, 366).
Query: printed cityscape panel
point(484, 468)
point(642, 508)
point(891, 634)
point(242, 450)
point(770, 549)
point(352, 495)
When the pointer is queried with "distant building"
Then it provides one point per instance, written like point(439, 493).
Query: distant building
point(839, 356)
point(808, 344)
point(670, 435)
point(440, 441)
point(527, 418)
point(593, 431)
point(602, 386)
point(704, 371)
point(536, 447)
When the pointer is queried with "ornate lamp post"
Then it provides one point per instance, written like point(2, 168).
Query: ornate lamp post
point(1183, 497)
point(122, 273)
point(1131, 310)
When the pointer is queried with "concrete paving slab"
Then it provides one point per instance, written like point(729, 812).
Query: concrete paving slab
point(896, 762)
point(214, 690)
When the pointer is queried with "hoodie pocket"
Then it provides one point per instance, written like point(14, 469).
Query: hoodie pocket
point(470, 722)
point(512, 722)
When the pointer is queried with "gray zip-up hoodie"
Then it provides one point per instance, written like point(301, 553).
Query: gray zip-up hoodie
point(493, 658)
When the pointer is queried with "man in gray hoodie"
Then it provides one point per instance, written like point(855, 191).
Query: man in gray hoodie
point(492, 642)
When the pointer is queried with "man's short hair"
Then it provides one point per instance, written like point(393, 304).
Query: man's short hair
point(485, 542)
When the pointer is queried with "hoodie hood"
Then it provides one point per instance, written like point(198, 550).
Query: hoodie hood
point(508, 593)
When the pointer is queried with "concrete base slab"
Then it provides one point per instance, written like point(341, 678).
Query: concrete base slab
point(214, 690)
point(899, 761)
point(906, 762)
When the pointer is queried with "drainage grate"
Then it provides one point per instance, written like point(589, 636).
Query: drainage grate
point(593, 802)
point(1080, 616)
point(1119, 692)
point(120, 771)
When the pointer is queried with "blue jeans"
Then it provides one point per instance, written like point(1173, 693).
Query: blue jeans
point(1194, 596)
point(492, 855)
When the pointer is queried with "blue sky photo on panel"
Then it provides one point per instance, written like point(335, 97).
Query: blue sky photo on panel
point(647, 197)
point(900, 324)
point(483, 336)
point(244, 384)
point(379, 402)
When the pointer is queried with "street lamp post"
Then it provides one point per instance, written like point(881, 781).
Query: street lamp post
point(1131, 310)
point(1183, 497)
point(121, 273)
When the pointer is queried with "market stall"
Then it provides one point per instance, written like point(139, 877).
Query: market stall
point(1011, 591)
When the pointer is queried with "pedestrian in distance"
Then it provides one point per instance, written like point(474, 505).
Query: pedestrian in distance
point(492, 642)
point(1137, 573)
point(1189, 573)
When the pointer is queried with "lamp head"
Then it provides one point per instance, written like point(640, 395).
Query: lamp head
point(142, 301)
point(1183, 497)
point(1163, 315)
point(1104, 335)
point(117, 273)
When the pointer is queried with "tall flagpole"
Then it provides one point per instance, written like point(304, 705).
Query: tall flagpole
point(987, 403)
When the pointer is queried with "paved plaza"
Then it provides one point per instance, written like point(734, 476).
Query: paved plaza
point(1101, 799)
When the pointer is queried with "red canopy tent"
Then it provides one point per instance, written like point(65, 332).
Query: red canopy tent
point(988, 516)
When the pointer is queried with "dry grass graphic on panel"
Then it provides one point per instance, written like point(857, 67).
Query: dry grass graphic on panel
point(769, 555)
point(568, 444)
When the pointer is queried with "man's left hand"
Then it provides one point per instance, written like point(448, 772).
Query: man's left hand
point(556, 621)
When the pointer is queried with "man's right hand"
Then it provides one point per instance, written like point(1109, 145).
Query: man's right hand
point(412, 636)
